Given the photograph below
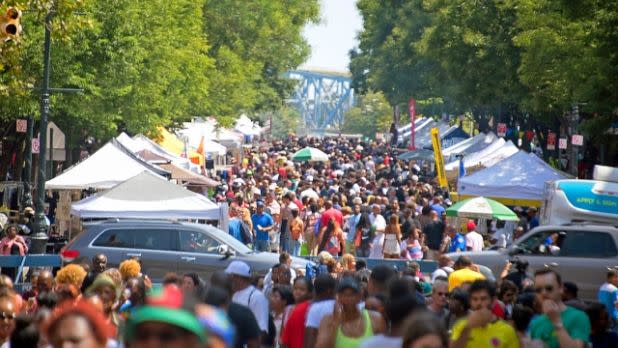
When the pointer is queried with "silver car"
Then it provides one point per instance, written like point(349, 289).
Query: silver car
point(581, 253)
point(165, 246)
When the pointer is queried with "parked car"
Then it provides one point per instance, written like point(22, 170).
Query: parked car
point(581, 253)
point(166, 246)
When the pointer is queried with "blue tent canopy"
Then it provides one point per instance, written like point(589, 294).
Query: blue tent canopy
point(450, 137)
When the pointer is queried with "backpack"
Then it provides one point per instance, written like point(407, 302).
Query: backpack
point(245, 233)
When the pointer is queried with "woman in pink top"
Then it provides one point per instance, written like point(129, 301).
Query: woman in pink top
point(12, 244)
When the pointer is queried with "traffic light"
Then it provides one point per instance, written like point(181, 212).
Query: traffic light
point(10, 25)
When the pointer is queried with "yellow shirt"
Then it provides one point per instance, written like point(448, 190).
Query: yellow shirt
point(498, 334)
point(461, 276)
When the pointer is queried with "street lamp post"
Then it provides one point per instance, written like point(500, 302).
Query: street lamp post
point(40, 225)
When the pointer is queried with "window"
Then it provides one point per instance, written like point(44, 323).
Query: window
point(543, 243)
point(115, 239)
point(589, 244)
point(154, 239)
point(194, 241)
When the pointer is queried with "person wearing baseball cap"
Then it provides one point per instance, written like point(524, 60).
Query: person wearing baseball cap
point(345, 315)
point(474, 240)
point(166, 320)
point(248, 295)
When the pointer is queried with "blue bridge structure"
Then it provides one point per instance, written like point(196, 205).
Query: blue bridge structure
point(322, 98)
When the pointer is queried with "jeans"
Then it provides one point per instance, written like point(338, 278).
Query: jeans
point(261, 245)
point(295, 247)
point(286, 242)
point(364, 249)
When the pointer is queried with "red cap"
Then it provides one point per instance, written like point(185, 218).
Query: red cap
point(471, 225)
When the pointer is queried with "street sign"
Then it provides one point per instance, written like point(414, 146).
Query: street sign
point(36, 148)
point(21, 125)
point(562, 143)
point(577, 140)
point(551, 141)
point(501, 129)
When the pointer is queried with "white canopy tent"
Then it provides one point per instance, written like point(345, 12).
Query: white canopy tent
point(195, 130)
point(147, 196)
point(423, 138)
point(109, 166)
point(462, 146)
point(140, 142)
point(497, 150)
point(247, 127)
point(521, 176)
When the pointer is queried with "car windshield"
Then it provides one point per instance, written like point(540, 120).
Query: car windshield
point(229, 240)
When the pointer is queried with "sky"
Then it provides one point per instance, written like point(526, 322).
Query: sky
point(334, 36)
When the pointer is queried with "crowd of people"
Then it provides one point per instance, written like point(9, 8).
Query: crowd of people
point(363, 203)
point(88, 304)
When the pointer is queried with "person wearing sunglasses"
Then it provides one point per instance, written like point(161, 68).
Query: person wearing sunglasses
point(439, 297)
point(559, 325)
point(7, 317)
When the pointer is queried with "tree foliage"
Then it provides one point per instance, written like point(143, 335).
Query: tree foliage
point(145, 64)
point(372, 115)
point(529, 59)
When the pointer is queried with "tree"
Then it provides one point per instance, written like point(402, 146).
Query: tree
point(142, 65)
point(372, 115)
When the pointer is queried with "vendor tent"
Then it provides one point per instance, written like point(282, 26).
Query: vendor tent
point(109, 166)
point(419, 125)
point(147, 196)
point(450, 137)
point(195, 130)
point(498, 149)
point(423, 138)
point(520, 177)
point(176, 146)
point(188, 177)
point(462, 146)
point(248, 128)
point(142, 145)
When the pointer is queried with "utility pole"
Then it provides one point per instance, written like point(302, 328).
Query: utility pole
point(40, 226)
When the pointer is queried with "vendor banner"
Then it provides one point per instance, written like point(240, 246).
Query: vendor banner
point(437, 151)
point(551, 141)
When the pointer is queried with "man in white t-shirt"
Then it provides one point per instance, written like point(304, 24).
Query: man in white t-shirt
point(248, 295)
point(324, 287)
point(474, 240)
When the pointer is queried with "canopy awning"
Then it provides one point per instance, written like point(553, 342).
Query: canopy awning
point(147, 196)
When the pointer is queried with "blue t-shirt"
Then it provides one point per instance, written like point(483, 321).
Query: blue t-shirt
point(352, 223)
point(534, 222)
point(608, 295)
point(234, 229)
point(263, 220)
point(458, 243)
point(438, 209)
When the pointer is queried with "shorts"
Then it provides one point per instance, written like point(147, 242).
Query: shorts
point(274, 241)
